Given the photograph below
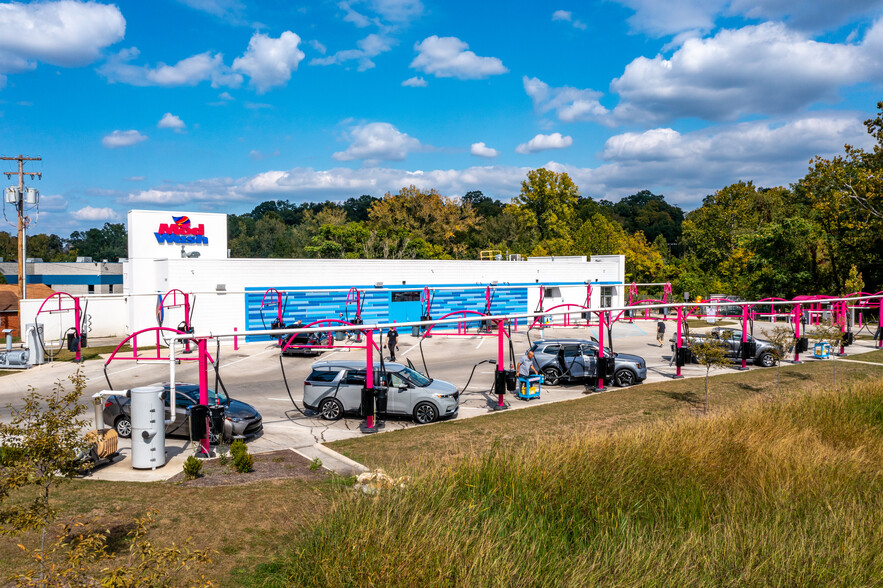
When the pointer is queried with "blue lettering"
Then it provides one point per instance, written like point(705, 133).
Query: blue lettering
point(191, 239)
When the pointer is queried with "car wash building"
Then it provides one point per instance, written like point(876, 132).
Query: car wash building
point(187, 251)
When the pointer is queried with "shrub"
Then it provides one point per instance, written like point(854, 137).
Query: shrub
point(192, 468)
point(243, 462)
point(238, 447)
point(315, 464)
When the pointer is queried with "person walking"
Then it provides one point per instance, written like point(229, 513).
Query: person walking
point(660, 332)
point(392, 342)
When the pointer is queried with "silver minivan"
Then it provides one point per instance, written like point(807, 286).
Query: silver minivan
point(334, 388)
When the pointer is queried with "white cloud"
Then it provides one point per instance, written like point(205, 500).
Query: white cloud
point(122, 139)
point(448, 57)
point(567, 16)
point(398, 11)
point(415, 82)
point(570, 104)
point(89, 213)
point(187, 72)
point(765, 69)
point(135, 178)
point(52, 203)
point(357, 18)
point(256, 155)
point(65, 33)
point(481, 150)
point(269, 62)
point(542, 142)
point(319, 47)
point(227, 9)
point(677, 16)
point(371, 46)
point(374, 142)
point(171, 121)
point(226, 96)
point(683, 166)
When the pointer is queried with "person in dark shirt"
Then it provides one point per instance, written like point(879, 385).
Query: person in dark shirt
point(392, 342)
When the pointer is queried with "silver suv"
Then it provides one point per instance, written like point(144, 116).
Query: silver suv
point(334, 388)
point(568, 360)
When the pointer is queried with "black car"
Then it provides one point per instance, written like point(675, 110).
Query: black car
point(762, 353)
point(240, 420)
point(303, 339)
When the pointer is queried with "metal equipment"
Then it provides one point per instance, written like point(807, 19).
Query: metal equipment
point(148, 427)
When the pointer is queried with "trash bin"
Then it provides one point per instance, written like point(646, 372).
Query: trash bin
point(415, 331)
point(198, 414)
point(822, 350)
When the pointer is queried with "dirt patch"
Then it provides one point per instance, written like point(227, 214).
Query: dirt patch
point(272, 465)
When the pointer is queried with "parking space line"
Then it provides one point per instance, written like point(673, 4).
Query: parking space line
point(480, 342)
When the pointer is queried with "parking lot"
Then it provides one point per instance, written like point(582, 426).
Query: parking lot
point(252, 374)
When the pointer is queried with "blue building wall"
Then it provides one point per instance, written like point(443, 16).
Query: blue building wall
point(310, 304)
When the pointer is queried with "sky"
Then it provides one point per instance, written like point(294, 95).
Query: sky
point(218, 105)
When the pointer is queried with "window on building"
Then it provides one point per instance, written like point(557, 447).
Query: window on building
point(406, 296)
point(552, 292)
point(607, 294)
point(110, 288)
point(91, 288)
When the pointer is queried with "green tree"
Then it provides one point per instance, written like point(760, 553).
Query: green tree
point(710, 353)
point(357, 208)
point(110, 242)
point(552, 198)
point(428, 215)
point(651, 214)
point(8, 246)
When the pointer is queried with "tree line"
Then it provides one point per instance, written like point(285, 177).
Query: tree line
point(821, 234)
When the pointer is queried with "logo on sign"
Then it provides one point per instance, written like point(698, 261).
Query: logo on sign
point(181, 231)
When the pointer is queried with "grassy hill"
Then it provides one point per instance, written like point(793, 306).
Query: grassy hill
point(786, 492)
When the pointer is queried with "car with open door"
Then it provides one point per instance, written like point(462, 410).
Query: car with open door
point(760, 351)
point(573, 360)
point(240, 420)
point(334, 389)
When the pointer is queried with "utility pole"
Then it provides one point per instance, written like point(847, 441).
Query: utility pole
point(19, 209)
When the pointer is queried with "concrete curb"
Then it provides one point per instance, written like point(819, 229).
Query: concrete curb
point(340, 457)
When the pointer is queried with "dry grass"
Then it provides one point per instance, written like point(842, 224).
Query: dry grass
point(784, 493)
point(448, 442)
point(246, 524)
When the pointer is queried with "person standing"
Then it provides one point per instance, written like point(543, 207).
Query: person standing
point(392, 342)
point(660, 331)
point(526, 364)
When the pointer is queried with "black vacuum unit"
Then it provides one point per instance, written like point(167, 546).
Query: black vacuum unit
point(499, 382)
point(276, 324)
point(198, 414)
point(606, 367)
point(848, 338)
point(802, 345)
point(367, 408)
point(381, 398)
point(749, 349)
point(682, 356)
point(72, 340)
point(511, 380)
point(216, 419)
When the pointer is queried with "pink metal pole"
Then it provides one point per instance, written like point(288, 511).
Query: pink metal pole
point(679, 340)
point(187, 321)
point(744, 335)
point(235, 341)
point(880, 322)
point(797, 316)
point(76, 327)
point(369, 372)
point(841, 310)
point(500, 359)
point(600, 386)
point(201, 346)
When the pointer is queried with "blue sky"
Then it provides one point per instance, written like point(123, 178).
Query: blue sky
point(217, 105)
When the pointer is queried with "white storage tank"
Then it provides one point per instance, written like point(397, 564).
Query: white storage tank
point(148, 427)
point(35, 343)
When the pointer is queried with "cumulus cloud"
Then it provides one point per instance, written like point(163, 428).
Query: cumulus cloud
point(371, 46)
point(268, 61)
point(765, 69)
point(398, 11)
point(449, 57)
point(375, 142)
point(122, 139)
point(481, 150)
point(679, 16)
point(65, 33)
point(567, 16)
point(171, 121)
point(569, 104)
point(191, 71)
point(415, 82)
point(543, 142)
point(90, 213)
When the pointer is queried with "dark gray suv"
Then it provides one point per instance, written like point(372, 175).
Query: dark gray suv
point(579, 358)
point(765, 352)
